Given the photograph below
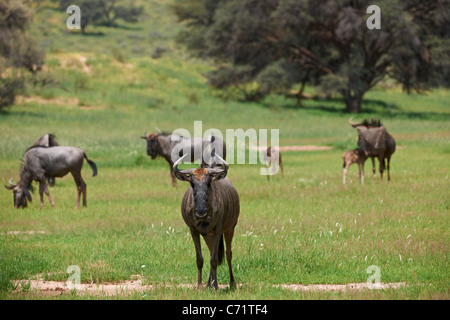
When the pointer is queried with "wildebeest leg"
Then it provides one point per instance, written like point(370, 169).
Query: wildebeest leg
point(213, 245)
point(361, 172)
point(374, 171)
point(381, 160)
point(41, 193)
point(347, 165)
point(84, 190)
point(198, 253)
point(81, 188)
point(388, 167)
point(43, 188)
point(281, 167)
point(268, 173)
point(172, 174)
point(228, 239)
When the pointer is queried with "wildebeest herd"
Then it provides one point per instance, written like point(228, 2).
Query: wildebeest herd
point(373, 142)
point(210, 206)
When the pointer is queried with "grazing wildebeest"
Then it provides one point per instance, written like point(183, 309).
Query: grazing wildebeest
point(273, 156)
point(354, 156)
point(376, 142)
point(47, 140)
point(210, 207)
point(40, 163)
point(161, 144)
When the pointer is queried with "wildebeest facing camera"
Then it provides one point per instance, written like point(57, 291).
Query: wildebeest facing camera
point(261, 84)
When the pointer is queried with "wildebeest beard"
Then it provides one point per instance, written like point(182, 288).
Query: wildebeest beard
point(201, 204)
point(203, 224)
point(151, 150)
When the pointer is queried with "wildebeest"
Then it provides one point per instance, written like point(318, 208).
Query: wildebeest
point(40, 163)
point(273, 156)
point(162, 144)
point(47, 140)
point(374, 139)
point(210, 208)
point(354, 156)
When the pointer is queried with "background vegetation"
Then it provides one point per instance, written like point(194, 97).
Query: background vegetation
point(102, 90)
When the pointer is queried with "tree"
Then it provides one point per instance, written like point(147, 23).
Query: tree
point(104, 12)
point(18, 50)
point(321, 42)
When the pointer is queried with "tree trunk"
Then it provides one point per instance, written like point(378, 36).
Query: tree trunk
point(302, 88)
point(353, 102)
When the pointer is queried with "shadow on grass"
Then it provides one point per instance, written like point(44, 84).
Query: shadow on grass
point(80, 34)
point(124, 27)
point(9, 112)
point(370, 108)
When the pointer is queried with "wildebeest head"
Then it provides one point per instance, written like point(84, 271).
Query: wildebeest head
point(152, 144)
point(200, 180)
point(20, 194)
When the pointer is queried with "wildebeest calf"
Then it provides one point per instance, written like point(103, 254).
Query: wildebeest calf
point(210, 207)
point(272, 156)
point(354, 156)
point(40, 163)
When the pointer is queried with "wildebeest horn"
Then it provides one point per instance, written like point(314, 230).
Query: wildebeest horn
point(351, 123)
point(175, 165)
point(224, 163)
point(219, 173)
point(12, 186)
point(145, 135)
point(158, 130)
point(181, 174)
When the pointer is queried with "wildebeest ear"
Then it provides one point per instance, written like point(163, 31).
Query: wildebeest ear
point(9, 187)
point(183, 175)
point(218, 174)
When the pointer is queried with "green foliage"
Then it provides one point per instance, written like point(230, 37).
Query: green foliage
point(325, 43)
point(9, 88)
point(104, 12)
point(18, 50)
point(81, 82)
point(118, 54)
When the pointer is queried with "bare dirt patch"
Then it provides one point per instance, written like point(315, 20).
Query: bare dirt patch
point(30, 232)
point(53, 288)
point(74, 61)
point(60, 101)
point(340, 287)
point(134, 285)
point(295, 148)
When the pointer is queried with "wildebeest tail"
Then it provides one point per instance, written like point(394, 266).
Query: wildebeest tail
point(92, 164)
point(221, 250)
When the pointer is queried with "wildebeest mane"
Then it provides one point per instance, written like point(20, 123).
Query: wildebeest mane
point(163, 133)
point(373, 123)
point(34, 147)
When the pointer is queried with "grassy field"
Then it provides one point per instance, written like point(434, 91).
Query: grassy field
point(307, 228)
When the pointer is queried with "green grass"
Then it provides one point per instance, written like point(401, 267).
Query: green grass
point(305, 228)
